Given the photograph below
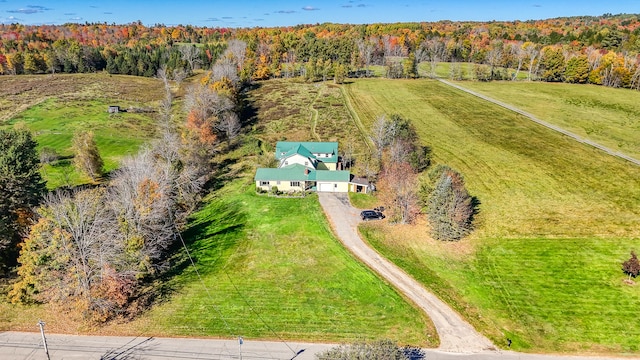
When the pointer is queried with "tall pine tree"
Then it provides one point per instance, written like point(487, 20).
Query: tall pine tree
point(450, 207)
point(21, 189)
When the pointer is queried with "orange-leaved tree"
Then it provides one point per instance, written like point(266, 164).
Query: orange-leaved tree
point(398, 186)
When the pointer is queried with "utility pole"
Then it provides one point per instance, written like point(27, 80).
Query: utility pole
point(44, 340)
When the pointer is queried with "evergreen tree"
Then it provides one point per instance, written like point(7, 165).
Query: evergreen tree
point(450, 207)
point(410, 67)
point(553, 63)
point(21, 188)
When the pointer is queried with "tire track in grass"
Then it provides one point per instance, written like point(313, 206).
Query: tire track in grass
point(356, 118)
point(545, 124)
point(314, 115)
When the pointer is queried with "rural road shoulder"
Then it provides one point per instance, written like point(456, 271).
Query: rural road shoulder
point(456, 335)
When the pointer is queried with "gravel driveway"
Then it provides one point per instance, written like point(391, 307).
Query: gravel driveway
point(456, 335)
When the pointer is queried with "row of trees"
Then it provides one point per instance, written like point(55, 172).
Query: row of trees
point(599, 50)
point(99, 247)
point(96, 245)
point(408, 189)
point(68, 56)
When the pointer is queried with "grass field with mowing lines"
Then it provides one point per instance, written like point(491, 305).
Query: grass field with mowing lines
point(272, 266)
point(605, 115)
point(556, 220)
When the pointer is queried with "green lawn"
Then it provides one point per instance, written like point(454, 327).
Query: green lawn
point(363, 201)
point(467, 70)
point(54, 122)
point(54, 108)
point(271, 269)
point(556, 220)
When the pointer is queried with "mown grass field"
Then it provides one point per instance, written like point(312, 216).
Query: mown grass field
point(55, 107)
point(556, 220)
point(605, 115)
point(272, 269)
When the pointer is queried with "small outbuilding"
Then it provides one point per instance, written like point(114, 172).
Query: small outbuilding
point(113, 109)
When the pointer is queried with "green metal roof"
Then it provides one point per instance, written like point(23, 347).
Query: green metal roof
point(301, 150)
point(285, 149)
point(296, 172)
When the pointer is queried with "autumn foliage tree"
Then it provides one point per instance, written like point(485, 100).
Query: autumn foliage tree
point(398, 188)
point(376, 350)
point(86, 155)
point(94, 248)
point(65, 254)
point(631, 267)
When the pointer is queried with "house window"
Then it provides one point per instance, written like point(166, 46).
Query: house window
point(306, 163)
point(286, 162)
point(335, 185)
point(278, 183)
point(264, 183)
point(295, 183)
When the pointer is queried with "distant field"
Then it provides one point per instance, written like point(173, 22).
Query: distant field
point(605, 115)
point(466, 70)
point(556, 220)
point(297, 111)
point(53, 108)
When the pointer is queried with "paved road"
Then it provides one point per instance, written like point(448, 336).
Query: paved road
point(544, 123)
point(28, 346)
point(456, 335)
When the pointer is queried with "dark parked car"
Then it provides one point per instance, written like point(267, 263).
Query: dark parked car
point(367, 215)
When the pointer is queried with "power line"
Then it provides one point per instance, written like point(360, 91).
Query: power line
point(238, 292)
point(195, 268)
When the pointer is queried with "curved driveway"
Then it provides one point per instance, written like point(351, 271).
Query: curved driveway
point(456, 335)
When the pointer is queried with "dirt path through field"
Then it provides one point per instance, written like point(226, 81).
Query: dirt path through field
point(456, 335)
point(544, 123)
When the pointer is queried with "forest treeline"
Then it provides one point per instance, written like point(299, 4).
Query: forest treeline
point(600, 50)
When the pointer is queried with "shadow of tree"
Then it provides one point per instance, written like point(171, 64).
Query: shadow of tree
point(413, 353)
point(213, 231)
point(128, 351)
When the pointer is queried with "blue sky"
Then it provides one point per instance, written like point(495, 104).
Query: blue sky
point(265, 13)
